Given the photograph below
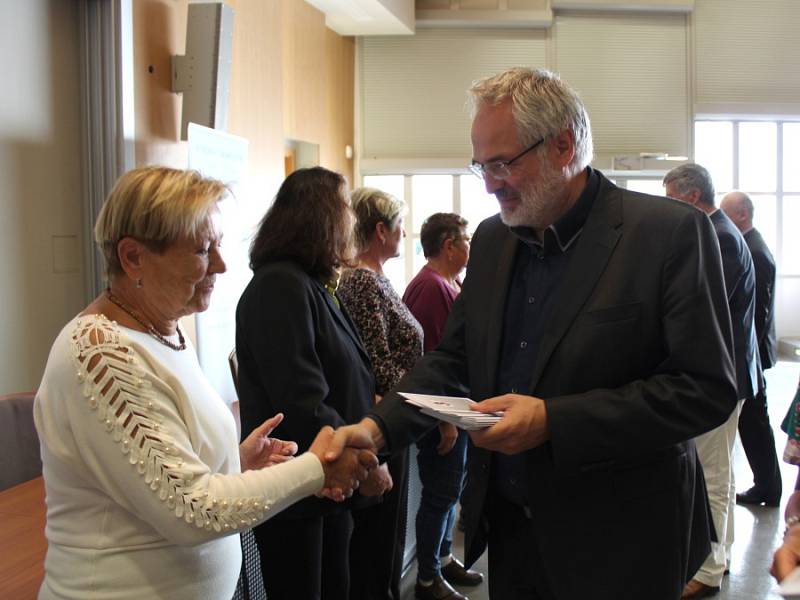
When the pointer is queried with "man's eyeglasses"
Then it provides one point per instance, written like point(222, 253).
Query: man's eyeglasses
point(498, 169)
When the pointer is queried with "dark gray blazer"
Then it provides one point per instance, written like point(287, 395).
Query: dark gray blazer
point(299, 354)
point(635, 361)
point(740, 286)
point(764, 265)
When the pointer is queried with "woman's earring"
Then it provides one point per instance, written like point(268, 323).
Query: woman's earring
point(139, 283)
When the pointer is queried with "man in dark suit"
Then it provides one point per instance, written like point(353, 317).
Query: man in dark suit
point(754, 428)
point(692, 184)
point(595, 318)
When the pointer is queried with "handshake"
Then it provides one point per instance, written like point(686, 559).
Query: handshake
point(347, 456)
point(348, 460)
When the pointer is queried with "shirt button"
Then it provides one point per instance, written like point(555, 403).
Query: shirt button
point(523, 344)
point(531, 300)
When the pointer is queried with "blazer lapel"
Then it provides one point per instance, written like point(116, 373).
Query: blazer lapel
point(594, 248)
point(341, 317)
point(497, 306)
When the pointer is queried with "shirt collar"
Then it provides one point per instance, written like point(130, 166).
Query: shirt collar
point(559, 236)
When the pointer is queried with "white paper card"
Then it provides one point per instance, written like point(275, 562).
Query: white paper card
point(452, 409)
point(790, 586)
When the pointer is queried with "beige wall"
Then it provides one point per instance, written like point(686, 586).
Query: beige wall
point(291, 78)
point(41, 279)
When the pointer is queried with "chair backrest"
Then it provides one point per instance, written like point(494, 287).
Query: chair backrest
point(233, 363)
point(20, 460)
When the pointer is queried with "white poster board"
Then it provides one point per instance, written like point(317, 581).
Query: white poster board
point(222, 156)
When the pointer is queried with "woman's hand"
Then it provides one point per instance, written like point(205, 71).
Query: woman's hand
point(379, 482)
point(448, 434)
point(259, 450)
point(344, 473)
point(787, 557)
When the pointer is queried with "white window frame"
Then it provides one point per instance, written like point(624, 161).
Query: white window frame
point(779, 192)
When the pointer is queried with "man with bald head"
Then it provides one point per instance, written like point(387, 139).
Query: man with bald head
point(754, 428)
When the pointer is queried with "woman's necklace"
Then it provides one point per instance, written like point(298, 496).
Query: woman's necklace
point(181, 345)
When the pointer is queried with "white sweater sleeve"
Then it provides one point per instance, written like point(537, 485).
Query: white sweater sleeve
point(139, 449)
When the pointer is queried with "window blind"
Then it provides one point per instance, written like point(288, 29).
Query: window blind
point(631, 72)
point(413, 89)
point(747, 56)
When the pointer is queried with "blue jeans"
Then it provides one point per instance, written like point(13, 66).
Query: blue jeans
point(442, 479)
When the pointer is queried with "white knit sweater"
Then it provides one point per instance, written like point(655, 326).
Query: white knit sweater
point(141, 468)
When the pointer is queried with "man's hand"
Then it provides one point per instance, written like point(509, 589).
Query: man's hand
point(343, 475)
point(378, 482)
point(448, 434)
point(365, 435)
point(259, 450)
point(523, 426)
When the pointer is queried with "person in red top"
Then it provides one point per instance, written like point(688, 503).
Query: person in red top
point(443, 451)
point(430, 295)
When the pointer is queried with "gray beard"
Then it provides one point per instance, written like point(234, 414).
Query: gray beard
point(538, 201)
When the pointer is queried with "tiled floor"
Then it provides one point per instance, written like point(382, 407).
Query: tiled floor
point(758, 530)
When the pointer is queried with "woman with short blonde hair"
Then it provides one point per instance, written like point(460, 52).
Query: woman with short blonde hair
point(373, 207)
point(157, 206)
point(144, 475)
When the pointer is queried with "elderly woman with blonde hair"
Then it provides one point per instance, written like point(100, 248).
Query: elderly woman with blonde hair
point(144, 476)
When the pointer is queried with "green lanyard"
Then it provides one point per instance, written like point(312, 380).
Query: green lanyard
point(330, 287)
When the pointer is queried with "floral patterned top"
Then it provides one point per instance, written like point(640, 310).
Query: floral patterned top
point(390, 333)
point(791, 425)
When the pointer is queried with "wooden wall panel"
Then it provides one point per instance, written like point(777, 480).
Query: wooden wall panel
point(159, 31)
point(256, 100)
point(318, 97)
point(339, 117)
point(291, 77)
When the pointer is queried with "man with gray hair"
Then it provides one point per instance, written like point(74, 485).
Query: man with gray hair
point(755, 430)
point(692, 183)
point(593, 320)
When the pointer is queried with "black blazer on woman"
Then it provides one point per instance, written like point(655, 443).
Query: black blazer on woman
point(299, 354)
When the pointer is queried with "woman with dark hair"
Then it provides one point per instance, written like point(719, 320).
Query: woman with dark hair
point(298, 350)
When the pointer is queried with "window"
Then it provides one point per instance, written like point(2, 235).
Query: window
point(424, 195)
point(759, 158)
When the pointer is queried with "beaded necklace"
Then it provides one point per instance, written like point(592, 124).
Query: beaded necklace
point(181, 345)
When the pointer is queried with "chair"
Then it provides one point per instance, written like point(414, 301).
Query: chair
point(251, 583)
point(20, 460)
point(233, 363)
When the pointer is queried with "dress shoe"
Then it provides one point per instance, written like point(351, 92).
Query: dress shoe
point(438, 590)
point(756, 497)
point(456, 573)
point(698, 589)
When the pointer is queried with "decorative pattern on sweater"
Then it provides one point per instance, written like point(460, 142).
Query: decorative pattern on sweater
point(119, 389)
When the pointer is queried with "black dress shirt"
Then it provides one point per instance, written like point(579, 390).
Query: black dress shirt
point(539, 268)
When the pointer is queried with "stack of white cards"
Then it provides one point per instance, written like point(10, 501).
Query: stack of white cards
point(453, 410)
